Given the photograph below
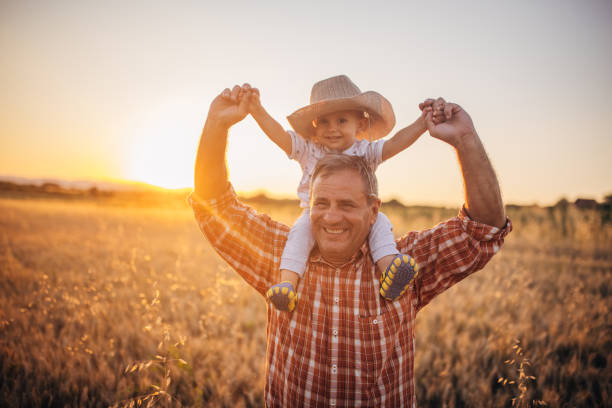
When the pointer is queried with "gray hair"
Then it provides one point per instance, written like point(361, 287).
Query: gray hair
point(335, 162)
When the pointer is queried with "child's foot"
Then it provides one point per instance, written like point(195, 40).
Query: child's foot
point(282, 296)
point(398, 275)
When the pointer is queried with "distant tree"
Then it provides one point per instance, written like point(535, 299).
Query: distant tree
point(585, 203)
point(561, 208)
point(50, 187)
point(562, 204)
point(606, 210)
point(394, 203)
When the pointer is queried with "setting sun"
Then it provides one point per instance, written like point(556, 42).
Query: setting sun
point(161, 149)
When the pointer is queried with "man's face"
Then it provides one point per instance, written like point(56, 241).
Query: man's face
point(340, 214)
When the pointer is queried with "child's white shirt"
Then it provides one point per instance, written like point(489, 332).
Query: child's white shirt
point(307, 154)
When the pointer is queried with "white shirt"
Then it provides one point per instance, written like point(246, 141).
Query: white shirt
point(308, 153)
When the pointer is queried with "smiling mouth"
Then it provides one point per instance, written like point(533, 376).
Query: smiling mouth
point(334, 231)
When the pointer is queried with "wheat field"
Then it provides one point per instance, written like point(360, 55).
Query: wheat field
point(106, 303)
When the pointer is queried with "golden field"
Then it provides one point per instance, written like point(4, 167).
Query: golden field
point(109, 302)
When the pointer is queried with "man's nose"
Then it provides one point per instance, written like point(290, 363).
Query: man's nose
point(332, 215)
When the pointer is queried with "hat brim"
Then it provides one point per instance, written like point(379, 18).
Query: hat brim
point(379, 109)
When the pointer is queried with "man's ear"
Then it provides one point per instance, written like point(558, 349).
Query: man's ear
point(373, 209)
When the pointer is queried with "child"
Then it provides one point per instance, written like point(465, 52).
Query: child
point(342, 119)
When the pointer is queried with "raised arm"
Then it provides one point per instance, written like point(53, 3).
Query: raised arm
point(482, 193)
point(228, 108)
point(267, 123)
point(250, 242)
point(405, 137)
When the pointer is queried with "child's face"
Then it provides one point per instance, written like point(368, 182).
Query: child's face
point(338, 131)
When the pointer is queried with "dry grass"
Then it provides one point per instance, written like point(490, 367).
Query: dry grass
point(111, 305)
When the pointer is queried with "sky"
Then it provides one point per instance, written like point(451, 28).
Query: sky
point(119, 90)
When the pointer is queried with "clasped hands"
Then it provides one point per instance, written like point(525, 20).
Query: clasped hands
point(446, 121)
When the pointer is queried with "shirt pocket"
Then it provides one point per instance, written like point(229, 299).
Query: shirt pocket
point(378, 334)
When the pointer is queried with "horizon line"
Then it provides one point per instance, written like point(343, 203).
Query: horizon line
point(106, 184)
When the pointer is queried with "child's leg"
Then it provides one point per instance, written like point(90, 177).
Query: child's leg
point(396, 270)
point(298, 246)
point(382, 242)
point(293, 263)
point(290, 276)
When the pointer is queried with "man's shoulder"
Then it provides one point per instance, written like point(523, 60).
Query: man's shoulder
point(228, 204)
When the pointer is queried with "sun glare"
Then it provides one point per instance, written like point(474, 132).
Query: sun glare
point(162, 149)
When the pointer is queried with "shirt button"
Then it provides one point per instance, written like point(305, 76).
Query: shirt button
point(334, 369)
point(375, 321)
point(336, 299)
point(332, 402)
point(337, 270)
point(335, 332)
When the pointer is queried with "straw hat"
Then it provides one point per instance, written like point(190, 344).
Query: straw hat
point(339, 93)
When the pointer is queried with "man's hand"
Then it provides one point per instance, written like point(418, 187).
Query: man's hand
point(436, 107)
point(482, 194)
point(449, 122)
point(229, 107)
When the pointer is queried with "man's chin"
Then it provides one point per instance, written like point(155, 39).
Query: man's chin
point(334, 250)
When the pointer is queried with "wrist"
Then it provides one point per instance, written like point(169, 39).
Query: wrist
point(467, 142)
point(420, 124)
point(258, 112)
point(216, 126)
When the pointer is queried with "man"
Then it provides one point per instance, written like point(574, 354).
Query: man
point(344, 345)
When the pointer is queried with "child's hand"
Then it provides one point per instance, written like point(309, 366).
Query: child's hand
point(426, 108)
point(438, 108)
point(254, 101)
point(250, 96)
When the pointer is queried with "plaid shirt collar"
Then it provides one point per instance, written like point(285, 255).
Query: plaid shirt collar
point(363, 251)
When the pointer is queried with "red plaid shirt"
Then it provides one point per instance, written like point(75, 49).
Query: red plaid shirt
point(344, 345)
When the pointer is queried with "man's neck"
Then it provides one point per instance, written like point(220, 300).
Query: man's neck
point(338, 262)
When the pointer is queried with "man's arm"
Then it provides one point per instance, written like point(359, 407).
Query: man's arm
point(250, 242)
point(452, 250)
point(482, 193)
point(449, 252)
point(268, 124)
point(227, 109)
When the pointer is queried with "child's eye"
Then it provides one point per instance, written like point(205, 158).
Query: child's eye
point(322, 122)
